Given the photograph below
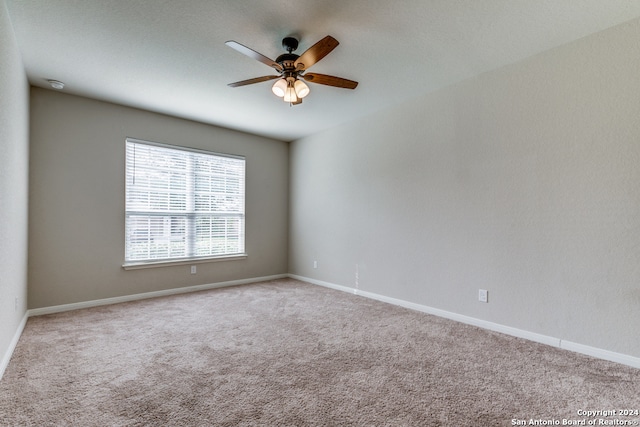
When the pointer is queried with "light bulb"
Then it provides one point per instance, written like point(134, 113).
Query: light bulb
point(279, 87)
point(302, 89)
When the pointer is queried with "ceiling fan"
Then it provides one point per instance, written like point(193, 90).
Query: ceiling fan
point(292, 69)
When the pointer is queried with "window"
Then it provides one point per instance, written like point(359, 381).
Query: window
point(182, 204)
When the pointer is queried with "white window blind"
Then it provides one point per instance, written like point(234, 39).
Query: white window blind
point(182, 204)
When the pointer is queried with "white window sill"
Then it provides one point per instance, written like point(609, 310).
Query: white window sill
point(168, 263)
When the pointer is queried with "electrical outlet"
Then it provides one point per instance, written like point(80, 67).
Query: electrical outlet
point(315, 264)
point(483, 295)
point(193, 269)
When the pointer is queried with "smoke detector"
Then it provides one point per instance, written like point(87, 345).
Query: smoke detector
point(56, 84)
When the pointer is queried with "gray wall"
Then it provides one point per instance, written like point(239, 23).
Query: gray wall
point(523, 181)
point(14, 161)
point(76, 222)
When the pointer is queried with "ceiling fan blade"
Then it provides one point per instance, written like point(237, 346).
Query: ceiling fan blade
point(253, 54)
point(324, 79)
point(252, 81)
point(316, 52)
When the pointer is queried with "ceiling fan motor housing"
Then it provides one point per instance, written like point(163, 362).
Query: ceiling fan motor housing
point(287, 61)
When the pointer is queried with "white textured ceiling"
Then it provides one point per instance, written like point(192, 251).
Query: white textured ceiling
point(169, 56)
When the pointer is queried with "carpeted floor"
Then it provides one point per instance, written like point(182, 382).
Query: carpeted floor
point(286, 353)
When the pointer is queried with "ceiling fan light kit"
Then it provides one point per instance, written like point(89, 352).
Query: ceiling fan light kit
point(290, 89)
point(292, 68)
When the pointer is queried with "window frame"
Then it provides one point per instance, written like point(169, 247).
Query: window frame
point(189, 215)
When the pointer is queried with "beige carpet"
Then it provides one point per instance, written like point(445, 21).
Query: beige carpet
point(286, 353)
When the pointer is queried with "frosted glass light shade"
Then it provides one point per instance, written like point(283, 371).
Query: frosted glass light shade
point(301, 88)
point(279, 87)
point(290, 95)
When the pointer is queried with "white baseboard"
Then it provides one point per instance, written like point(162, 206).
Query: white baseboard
point(146, 295)
point(508, 330)
point(601, 354)
point(12, 345)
